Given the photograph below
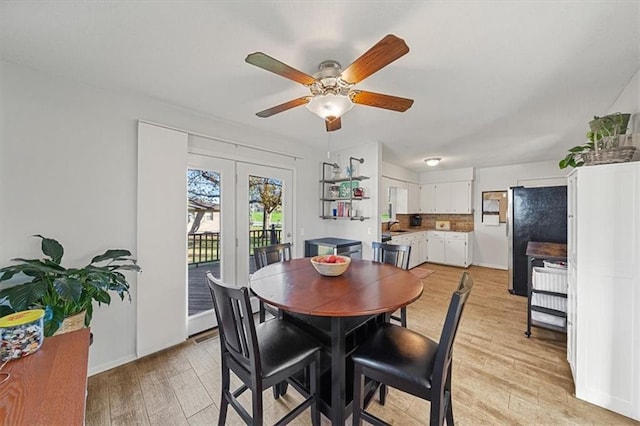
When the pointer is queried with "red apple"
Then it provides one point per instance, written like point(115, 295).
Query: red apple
point(331, 259)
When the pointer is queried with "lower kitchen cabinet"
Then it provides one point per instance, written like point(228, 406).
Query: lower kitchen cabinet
point(450, 248)
point(418, 243)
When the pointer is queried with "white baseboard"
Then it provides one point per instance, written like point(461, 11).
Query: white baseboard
point(112, 364)
point(489, 265)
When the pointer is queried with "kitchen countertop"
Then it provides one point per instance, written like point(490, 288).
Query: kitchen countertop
point(414, 230)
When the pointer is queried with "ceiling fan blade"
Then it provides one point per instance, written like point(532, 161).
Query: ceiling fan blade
point(379, 100)
point(380, 55)
point(333, 123)
point(283, 107)
point(268, 63)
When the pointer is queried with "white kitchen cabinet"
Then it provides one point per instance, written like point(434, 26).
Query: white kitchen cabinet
point(460, 198)
point(413, 198)
point(418, 243)
point(446, 197)
point(435, 247)
point(422, 248)
point(450, 248)
point(428, 198)
point(603, 309)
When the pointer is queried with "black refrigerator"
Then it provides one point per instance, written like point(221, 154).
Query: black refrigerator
point(534, 214)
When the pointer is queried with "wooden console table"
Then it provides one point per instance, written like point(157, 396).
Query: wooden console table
point(48, 387)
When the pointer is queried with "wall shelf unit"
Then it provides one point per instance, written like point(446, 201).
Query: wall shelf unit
point(341, 195)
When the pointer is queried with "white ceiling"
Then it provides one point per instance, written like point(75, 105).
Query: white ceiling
point(494, 82)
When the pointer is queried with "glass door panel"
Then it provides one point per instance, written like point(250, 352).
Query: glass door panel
point(265, 203)
point(210, 229)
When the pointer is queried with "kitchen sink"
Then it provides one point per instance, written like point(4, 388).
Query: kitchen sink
point(400, 230)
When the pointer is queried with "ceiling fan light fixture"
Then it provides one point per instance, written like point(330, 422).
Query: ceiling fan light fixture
point(329, 105)
point(433, 161)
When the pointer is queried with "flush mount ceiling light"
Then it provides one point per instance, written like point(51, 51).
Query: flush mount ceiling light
point(433, 161)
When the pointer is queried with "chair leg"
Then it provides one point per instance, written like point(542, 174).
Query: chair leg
point(403, 317)
point(256, 397)
point(314, 373)
point(358, 397)
point(262, 313)
point(226, 382)
point(276, 391)
point(384, 390)
point(449, 413)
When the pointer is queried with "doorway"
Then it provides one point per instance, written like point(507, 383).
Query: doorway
point(233, 207)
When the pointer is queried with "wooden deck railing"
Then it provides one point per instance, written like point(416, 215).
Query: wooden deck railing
point(205, 247)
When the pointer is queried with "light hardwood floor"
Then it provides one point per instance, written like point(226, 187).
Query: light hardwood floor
point(499, 376)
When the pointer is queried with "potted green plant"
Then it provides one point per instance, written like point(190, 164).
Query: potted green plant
point(603, 138)
point(65, 292)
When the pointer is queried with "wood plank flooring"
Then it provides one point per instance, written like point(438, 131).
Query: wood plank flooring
point(499, 376)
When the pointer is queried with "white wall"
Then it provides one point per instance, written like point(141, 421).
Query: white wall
point(629, 101)
point(490, 242)
point(455, 175)
point(369, 229)
point(68, 170)
point(400, 173)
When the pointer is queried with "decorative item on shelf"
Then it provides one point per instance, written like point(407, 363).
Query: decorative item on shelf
point(358, 192)
point(608, 143)
point(346, 188)
point(63, 292)
point(334, 191)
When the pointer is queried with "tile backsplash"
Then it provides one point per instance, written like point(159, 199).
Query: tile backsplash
point(459, 222)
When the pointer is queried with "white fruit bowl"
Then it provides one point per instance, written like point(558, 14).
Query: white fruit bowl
point(331, 269)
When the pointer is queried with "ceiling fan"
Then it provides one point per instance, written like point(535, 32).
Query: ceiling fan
point(332, 92)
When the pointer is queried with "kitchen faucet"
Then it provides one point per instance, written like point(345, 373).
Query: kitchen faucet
point(391, 223)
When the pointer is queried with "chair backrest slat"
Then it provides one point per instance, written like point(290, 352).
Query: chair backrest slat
point(393, 254)
point(235, 323)
point(442, 367)
point(274, 253)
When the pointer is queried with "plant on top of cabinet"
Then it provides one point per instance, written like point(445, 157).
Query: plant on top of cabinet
point(605, 145)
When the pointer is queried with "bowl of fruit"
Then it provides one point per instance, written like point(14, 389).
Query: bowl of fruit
point(331, 265)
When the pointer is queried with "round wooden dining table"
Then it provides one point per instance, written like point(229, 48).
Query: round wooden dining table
point(366, 288)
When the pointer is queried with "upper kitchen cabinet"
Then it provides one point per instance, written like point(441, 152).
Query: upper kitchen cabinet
point(446, 197)
point(413, 198)
point(403, 196)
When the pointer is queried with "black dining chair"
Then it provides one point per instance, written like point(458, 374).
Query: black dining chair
point(261, 356)
point(267, 255)
point(408, 361)
point(397, 255)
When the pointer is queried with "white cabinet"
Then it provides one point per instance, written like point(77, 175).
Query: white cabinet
point(413, 198)
point(460, 198)
point(422, 248)
point(450, 248)
point(418, 243)
point(603, 248)
point(428, 198)
point(446, 197)
point(435, 247)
